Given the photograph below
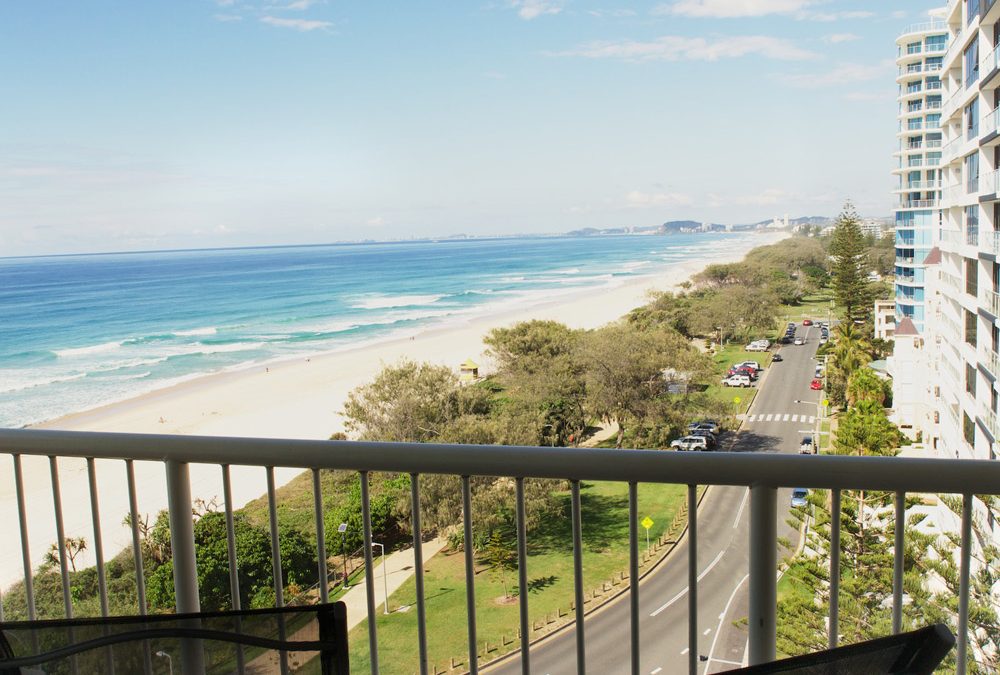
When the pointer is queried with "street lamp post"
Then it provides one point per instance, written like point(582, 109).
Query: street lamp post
point(170, 661)
point(342, 528)
point(385, 581)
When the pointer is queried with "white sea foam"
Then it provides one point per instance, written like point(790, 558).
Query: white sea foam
point(10, 384)
point(87, 351)
point(387, 301)
point(635, 265)
point(220, 349)
point(210, 330)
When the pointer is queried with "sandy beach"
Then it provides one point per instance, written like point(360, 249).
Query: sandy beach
point(301, 398)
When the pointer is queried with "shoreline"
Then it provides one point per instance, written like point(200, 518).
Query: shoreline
point(295, 398)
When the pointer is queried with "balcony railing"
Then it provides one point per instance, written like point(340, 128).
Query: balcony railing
point(989, 183)
point(917, 203)
point(934, 86)
point(991, 241)
point(991, 300)
point(926, 27)
point(989, 63)
point(990, 419)
point(762, 473)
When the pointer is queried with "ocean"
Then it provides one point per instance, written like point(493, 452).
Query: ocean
point(83, 331)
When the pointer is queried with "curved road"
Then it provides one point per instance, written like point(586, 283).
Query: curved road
point(783, 412)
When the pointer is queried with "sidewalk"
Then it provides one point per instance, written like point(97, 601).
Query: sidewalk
point(399, 568)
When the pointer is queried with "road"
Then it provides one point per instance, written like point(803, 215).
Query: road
point(783, 412)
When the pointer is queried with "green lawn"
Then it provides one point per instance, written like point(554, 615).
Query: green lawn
point(724, 358)
point(550, 574)
point(818, 306)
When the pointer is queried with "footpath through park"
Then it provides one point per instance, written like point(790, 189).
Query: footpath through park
point(398, 568)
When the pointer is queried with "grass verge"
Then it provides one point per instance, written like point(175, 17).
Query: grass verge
point(550, 582)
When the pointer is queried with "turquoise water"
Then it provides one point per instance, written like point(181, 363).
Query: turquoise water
point(77, 332)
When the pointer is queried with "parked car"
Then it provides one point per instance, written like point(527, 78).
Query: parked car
point(816, 384)
point(787, 340)
point(758, 346)
point(709, 437)
point(806, 447)
point(743, 370)
point(791, 325)
point(807, 322)
point(799, 497)
point(737, 381)
point(711, 425)
point(751, 364)
point(800, 341)
point(690, 443)
point(777, 358)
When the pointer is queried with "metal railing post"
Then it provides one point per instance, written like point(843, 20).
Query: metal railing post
point(578, 599)
point(897, 564)
point(366, 524)
point(963, 586)
point(633, 573)
point(470, 576)
point(833, 631)
point(183, 553)
point(693, 579)
point(763, 573)
point(22, 518)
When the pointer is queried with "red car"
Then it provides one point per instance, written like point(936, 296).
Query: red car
point(807, 322)
point(816, 384)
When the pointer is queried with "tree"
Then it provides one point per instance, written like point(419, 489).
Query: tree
point(625, 370)
point(850, 352)
point(500, 555)
point(253, 555)
point(406, 402)
point(72, 546)
point(850, 266)
point(541, 377)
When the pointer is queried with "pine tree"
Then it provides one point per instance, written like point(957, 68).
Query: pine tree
point(850, 280)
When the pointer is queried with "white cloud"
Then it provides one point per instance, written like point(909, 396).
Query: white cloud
point(847, 73)
point(644, 200)
point(835, 16)
point(303, 25)
point(731, 9)
point(611, 13)
point(300, 5)
point(678, 48)
point(728, 9)
point(225, 3)
point(227, 18)
point(838, 38)
point(377, 221)
point(532, 9)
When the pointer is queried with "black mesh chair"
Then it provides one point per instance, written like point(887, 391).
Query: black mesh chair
point(914, 653)
point(310, 639)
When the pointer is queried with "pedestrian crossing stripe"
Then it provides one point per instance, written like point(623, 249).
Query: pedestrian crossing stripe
point(781, 417)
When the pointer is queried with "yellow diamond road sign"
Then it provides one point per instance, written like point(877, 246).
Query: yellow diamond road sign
point(647, 522)
point(826, 403)
point(736, 400)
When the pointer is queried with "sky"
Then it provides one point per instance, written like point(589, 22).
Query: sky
point(211, 123)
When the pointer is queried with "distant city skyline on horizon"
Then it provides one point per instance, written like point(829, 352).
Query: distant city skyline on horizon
point(233, 123)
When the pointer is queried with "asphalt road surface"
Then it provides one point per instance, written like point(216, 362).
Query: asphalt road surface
point(784, 411)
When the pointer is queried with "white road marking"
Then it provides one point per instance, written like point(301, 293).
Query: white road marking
point(785, 418)
point(739, 513)
point(684, 592)
point(769, 416)
point(812, 419)
point(728, 663)
point(795, 418)
point(721, 619)
point(686, 650)
point(751, 418)
point(654, 672)
point(707, 631)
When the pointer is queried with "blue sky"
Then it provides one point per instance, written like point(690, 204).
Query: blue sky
point(202, 123)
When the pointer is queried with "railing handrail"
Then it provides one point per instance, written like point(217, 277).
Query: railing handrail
point(644, 466)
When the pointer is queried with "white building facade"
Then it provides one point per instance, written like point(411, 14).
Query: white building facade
point(948, 231)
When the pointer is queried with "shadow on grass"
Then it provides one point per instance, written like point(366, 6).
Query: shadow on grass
point(605, 519)
point(538, 584)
